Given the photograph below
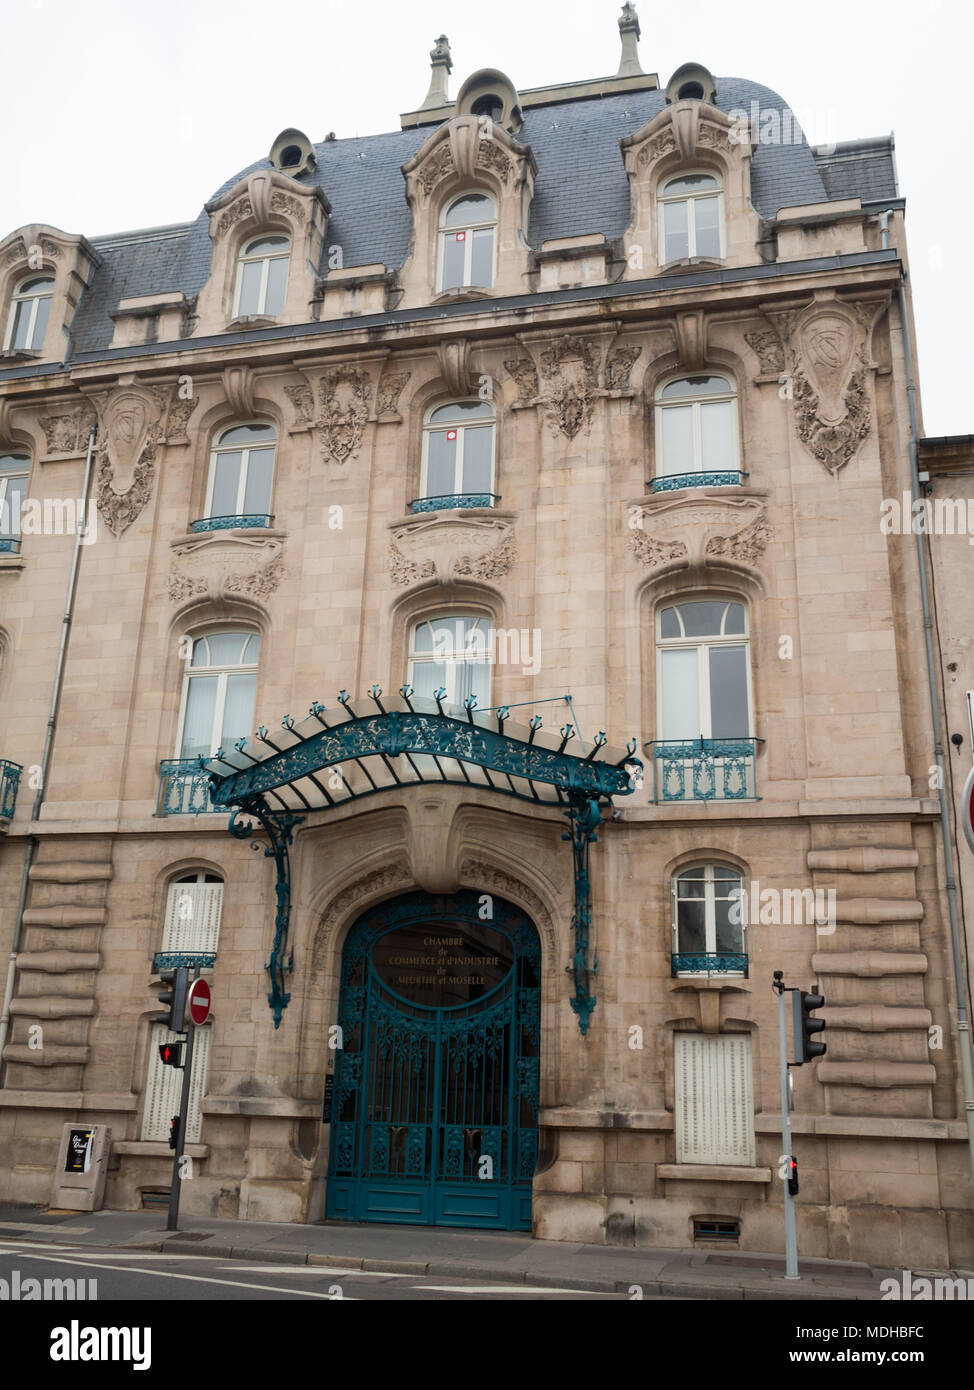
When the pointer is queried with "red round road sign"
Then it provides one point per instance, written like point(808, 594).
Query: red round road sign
point(967, 809)
point(198, 1001)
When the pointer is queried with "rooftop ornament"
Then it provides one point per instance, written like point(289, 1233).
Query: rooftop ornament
point(381, 743)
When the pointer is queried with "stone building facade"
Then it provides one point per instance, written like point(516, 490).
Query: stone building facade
point(579, 401)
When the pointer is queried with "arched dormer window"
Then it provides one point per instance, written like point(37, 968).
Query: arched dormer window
point(238, 492)
point(262, 269)
point(468, 241)
point(458, 457)
point(691, 221)
point(697, 441)
point(30, 308)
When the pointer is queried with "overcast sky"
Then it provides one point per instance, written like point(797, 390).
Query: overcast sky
point(127, 114)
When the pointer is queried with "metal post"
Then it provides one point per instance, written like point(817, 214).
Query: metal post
point(791, 1237)
point(181, 1123)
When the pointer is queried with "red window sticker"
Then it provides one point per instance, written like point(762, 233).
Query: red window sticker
point(451, 434)
point(461, 236)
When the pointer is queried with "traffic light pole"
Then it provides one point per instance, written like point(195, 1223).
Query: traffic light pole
point(791, 1235)
point(181, 1126)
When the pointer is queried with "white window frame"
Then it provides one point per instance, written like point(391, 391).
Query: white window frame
point(709, 901)
point(694, 403)
point(468, 228)
point(266, 257)
point(6, 478)
point(714, 1122)
point(663, 200)
point(17, 298)
point(704, 645)
point(433, 657)
point(222, 673)
point(430, 428)
point(245, 451)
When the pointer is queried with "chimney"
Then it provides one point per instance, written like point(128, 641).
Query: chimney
point(629, 31)
point(441, 69)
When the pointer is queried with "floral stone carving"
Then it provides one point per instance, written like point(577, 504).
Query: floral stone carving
point(569, 377)
point(217, 567)
point(447, 549)
point(698, 531)
point(338, 419)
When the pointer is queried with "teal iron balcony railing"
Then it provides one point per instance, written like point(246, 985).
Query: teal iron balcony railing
point(704, 769)
point(9, 783)
point(231, 523)
point(172, 960)
point(184, 788)
point(708, 963)
point(671, 481)
point(454, 501)
point(9, 545)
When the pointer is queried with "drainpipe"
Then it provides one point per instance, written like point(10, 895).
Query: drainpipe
point(963, 1024)
point(82, 531)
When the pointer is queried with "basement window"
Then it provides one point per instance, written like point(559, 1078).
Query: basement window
point(728, 1231)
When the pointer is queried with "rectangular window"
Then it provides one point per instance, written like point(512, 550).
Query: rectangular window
point(454, 254)
point(676, 227)
point(164, 1086)
point(193, 918)
point(714, 1099)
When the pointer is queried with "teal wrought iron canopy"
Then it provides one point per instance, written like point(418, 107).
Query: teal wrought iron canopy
point(372, 745)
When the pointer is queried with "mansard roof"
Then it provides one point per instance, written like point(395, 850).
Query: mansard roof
point(581, 187)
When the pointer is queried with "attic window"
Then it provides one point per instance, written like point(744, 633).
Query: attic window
point(293, 151)
point(290, 156)
point(489, 105)
point(690, 91)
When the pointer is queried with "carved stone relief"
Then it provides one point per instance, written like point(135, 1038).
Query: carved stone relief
point(769, 352)
point(67, 433)
point(525, 374)
point(378, 883)
point(134, 421)
point(448, 549)
point(569, 384)
point(344, 399)
point(618, 367)
point(390, 389)
point(701, 530)
point(217, 567)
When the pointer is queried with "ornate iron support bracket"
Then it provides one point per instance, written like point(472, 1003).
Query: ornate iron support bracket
point(278, 826)
point(585, 819)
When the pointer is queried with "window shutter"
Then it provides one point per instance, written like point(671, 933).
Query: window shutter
point(164, 1084)
point(714, 1099)
point(193, 918)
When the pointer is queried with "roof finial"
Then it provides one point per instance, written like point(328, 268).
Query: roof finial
point(629, 30)
point(442, 66)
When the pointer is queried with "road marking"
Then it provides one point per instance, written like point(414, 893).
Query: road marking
point(10, 1247)
point(191, 1278)
point(42, 1226)
point(511, 1288)
point(320, 1269)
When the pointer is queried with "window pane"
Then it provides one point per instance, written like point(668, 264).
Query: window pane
point(691, 928)
point(706, 212)
point(717, 436)
point(728, 692)
point(690, 183)
point(245, 434)
point(22, 312)
point(250, 273)
point(482, 264)
point(427, 676)
point(677, 441)
point(702, 619)
point(226, 481)
point(730, 935)
point(252, 650)
point(726, 878)
point(226, 648)
point(453, 261)
point(473, 678)
point(267, 244)
point(40, 323)
point(734, 619)
point(257, 494)
point(676, 236)
point(198, 724)
point(692, 884)
point(681, 699)
point(14, 463)
point(201, 652)
point(276, 284)
point(238, 715)
point(476, 207)
point(669, 623)
point(478, 449)
point(441, 464)
point(462, 411)
point(422, 638)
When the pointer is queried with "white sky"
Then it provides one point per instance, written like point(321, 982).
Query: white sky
point(122, 115)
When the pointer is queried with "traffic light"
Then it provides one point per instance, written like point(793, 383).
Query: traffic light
point(171, 1054)
point(173, 1131)
point(175, 1001)
point(793, 1176)
point(806, 1049)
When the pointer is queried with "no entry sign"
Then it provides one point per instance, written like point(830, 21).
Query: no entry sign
point(967, 810)
point(198, 1001)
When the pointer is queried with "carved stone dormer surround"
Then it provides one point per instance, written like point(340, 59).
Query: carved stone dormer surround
point(37, 250)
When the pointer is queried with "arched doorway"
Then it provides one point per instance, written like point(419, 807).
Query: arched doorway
point(435, 1112)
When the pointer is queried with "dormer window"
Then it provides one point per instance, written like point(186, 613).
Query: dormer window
point(262, 277)
point(691, 221)
point(30, 309)
point(468, 235)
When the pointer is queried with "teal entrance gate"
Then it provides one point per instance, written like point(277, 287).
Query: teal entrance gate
point(435, 1105)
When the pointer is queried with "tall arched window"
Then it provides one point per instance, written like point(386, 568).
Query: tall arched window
point(704, 671)
point(238, 492)
point(262, 276)
point(30, 309)
point(14, 472)
point(453, 653)
point(708, 921)
point(468, 235)
point(691, 217)
point(218, 692)
point(458, 457)
point(696, 433)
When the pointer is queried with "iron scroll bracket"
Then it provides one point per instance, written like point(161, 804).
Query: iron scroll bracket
point(585, 818)
point(279, 828)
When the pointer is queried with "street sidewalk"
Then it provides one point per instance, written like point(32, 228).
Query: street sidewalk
point(491, 1256)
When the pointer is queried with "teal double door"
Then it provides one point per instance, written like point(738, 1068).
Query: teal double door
point(435, 1102)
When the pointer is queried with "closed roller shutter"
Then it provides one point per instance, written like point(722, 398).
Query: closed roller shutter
point(164, 1086)
point(193, 918)
point(714, 1099)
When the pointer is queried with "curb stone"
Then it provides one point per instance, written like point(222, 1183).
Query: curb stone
point(336, 1261)
point(395, 1266)
point(457, 1269)
point(279, 1255)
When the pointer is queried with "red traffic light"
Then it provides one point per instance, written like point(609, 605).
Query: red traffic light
point(171, 1054)
point(793, 1176)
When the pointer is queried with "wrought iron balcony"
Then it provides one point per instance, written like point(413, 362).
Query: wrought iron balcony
point(704, 769)
point(172, 960)
point(231, 523)
point(9, 783)
point(708, 963)
point(671, 481)
point(9, 545)
point(453, 501)
point(184, 788)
